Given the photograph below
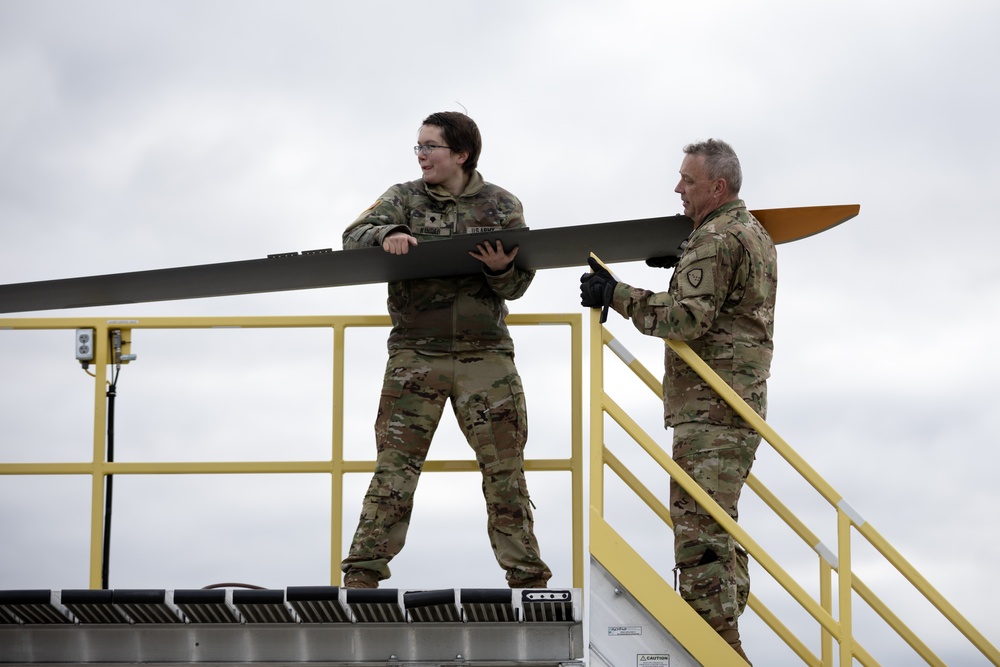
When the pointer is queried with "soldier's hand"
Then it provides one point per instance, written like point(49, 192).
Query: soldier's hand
point(597, 289)
point(664, 262)
point(398, 243)
point(668, 261)
point(496, 260)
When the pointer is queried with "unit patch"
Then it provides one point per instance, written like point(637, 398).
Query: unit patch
point(694, 277)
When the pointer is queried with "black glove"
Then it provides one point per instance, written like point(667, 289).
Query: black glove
point(665, 262)
point(668, 261)
point(597, 289)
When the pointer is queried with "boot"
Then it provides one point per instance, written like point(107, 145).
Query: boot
point(360, 578)
point(732, 637)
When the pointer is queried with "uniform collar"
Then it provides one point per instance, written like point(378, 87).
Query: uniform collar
point(475, 184)
point(728, 206)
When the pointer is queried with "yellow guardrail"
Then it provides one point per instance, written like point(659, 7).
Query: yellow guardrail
point(833, 628)
point(604, 541)
point(99, 468)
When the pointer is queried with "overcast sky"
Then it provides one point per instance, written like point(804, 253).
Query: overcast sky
point(143, 135)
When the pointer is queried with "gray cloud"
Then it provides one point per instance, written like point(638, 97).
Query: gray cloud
point(139, 136)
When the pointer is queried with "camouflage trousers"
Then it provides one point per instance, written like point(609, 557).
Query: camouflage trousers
point(488, 402)
point(712, 568)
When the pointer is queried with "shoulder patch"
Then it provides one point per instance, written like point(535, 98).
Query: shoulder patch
point(697, 279)
point(372, 207)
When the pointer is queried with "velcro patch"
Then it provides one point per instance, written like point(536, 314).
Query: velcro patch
point(697, 278)
point(433, 231)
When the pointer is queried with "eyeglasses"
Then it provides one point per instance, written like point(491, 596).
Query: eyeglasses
point(427, 149)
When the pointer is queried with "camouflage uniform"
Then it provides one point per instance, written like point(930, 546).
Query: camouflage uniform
point(449, 340)
point(721, 302)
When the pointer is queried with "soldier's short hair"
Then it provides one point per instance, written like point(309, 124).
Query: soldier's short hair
point(460, 133)
point(721, 162)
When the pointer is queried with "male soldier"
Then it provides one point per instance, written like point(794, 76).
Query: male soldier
point(448, 341)
point(721, 302)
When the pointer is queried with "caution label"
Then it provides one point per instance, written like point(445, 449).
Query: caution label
point(652, 660)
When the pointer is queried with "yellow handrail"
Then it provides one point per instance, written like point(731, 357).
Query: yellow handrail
point(840, 629)
point(720, 515)
point(99, 469)
point(837, 560)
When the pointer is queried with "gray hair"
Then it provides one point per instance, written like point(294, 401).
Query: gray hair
point(721, 162)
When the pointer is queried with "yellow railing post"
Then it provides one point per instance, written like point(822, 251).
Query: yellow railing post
point(826, 601)
point(99, 453)
point(337, 458)
point(844, 588)
point(576, 450)
point(596, 414)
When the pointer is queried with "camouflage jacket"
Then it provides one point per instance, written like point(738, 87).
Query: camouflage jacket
point(453, 314)
point(721, 302)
